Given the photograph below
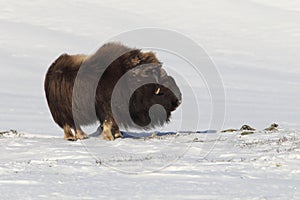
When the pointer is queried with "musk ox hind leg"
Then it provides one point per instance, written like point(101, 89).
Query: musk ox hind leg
point(68, 133)
point(80, 135)
point(110, 130)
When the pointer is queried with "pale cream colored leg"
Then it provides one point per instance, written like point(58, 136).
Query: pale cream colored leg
point(80, 135)
point(68, 133)
point(106, 131)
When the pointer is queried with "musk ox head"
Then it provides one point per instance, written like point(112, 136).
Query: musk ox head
point(132, 90)
point(153, 96)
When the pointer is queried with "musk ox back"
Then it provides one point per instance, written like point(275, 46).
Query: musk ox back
point(118, 86)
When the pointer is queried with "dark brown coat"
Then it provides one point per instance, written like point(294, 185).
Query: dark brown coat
point(79, 90)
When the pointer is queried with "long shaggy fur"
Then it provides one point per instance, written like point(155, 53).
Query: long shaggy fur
point(72, 109)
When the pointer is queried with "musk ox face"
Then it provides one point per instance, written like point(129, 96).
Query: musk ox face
point(143, 103)
point(132, 90)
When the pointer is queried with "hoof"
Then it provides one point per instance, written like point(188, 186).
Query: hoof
point(118, 135)
point(82, 137)
point(70, 138)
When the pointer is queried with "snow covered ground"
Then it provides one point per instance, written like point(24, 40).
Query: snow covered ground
point(255, 46)
point(189, 166)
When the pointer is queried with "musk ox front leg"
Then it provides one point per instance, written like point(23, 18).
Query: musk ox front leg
point(110, 130)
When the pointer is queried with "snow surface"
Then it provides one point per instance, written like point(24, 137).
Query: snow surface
point(254, 45)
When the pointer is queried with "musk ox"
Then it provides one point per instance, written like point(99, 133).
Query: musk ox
point(80, 90)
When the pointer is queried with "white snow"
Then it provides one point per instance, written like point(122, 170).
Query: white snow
point(254, 44)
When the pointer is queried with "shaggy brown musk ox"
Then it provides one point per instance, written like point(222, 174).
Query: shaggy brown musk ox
point(73, 96)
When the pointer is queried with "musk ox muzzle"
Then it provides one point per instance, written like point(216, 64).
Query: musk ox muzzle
point(118, 86)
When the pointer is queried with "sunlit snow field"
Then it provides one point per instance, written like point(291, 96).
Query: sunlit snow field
point(254, 44)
